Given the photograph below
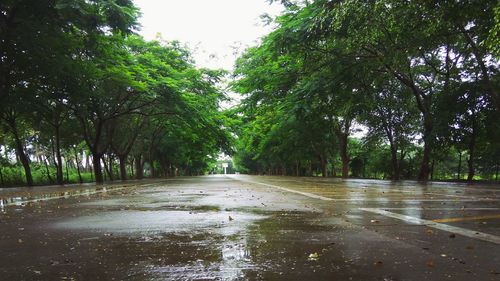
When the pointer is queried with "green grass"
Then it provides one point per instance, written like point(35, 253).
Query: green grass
point(14, 175)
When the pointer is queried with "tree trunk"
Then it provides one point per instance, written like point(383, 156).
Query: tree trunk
point(151, 168)
point(96, 162)
point(472, 151)
point(424, 105)
point(166, 170)
point(67, 169)
point(459, 169)
point(432, 169)
point(110, 163)
point(23, 158)
point(395, 163)
point(47, 170)
point(59, 169)
point(87, 162)
point(297, 171)
point(470, 163)
point(132, 168)
point(323, 166)
point(78, 166)
point(169, 170)
point(108, 167)
point(123, 167)
point(139, 169)
point(423, 175)
point(333, 168)
point(344, 155)
point(25, 161)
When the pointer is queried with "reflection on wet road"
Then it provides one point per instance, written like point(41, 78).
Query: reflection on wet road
point(252, 228)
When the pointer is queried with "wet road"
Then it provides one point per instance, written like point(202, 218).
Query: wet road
point(251, 228)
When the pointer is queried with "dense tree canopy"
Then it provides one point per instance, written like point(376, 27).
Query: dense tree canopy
point(79, 89)
point(379, 89)
point(420, 78)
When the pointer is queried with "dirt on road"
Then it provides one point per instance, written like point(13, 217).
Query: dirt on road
point(251, 228)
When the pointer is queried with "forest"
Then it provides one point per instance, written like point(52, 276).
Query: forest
point(83, 98)
point(373, 89)
point(379, 89)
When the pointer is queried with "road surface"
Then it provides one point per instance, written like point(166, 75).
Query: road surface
point(251, 228)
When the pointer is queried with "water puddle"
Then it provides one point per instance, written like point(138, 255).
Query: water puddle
point(221, 259)
point(25, 199)
point(128, 222)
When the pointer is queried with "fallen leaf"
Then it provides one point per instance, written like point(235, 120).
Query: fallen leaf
point(313, 256)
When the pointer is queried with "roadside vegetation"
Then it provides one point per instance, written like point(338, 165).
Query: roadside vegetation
point(420, 79)
point(85, 99)
point(372, 89)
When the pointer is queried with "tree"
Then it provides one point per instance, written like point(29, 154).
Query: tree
point(391, 116)
point(386, 64)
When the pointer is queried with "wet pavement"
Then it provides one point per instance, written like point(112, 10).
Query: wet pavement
point(251, 228)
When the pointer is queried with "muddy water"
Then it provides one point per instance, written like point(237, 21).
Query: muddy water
point(219, 228)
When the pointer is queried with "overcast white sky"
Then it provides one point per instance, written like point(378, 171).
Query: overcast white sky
point(213, 29)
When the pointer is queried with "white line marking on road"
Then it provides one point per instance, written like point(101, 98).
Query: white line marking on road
point(457, 230)
point(443, 209)
point(415, 200)
point(311, 195)
point(448, 195)
point(290, 190)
